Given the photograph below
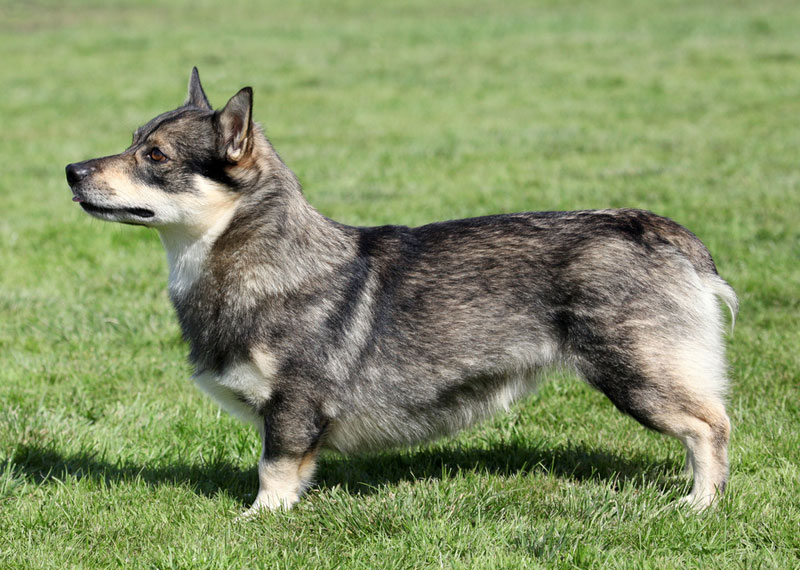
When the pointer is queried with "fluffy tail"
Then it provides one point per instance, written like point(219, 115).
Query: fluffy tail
point(725, 292)
point(700, 258)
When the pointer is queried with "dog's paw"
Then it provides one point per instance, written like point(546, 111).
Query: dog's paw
point(698, 503)
point(266, 503)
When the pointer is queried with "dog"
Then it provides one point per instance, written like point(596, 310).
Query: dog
point(358, 338)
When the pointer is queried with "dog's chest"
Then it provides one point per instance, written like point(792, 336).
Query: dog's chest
point(242, 388)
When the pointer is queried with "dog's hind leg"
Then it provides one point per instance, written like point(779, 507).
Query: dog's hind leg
point(705, 436)
point(667, 392)
point(703, 427)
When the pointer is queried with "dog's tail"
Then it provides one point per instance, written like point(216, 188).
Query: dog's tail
point(702, 262)
point(725, 292)
point(706, 269)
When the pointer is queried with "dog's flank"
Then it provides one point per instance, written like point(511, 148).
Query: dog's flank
point(330, 336)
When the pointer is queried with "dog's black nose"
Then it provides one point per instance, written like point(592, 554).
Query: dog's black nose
point(78, 171)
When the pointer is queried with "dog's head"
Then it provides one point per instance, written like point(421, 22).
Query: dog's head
point(180, 168)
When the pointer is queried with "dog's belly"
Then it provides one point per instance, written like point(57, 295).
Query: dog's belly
point(390, 425)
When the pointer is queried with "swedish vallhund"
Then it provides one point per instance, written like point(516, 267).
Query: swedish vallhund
point(348, 338)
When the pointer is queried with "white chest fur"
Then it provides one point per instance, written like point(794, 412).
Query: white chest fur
point(242, 388)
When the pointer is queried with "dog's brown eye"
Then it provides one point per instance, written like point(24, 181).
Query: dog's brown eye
point(156, 155)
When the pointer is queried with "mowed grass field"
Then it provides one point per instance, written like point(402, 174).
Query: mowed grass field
point(395, 113)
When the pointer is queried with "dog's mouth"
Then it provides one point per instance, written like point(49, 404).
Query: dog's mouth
point(138, 212)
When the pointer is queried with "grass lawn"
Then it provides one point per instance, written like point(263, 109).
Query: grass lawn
point(394, 113)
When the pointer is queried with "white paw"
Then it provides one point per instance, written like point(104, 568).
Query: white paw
point(697, 502)
point(268, 502)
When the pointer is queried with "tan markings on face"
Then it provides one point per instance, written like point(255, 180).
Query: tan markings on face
point(207, 206)
point(124, 191)
point(204, 205)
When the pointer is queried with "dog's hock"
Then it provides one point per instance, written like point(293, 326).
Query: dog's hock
point(235, 124)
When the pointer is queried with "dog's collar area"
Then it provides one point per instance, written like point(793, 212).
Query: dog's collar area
point(138, 212)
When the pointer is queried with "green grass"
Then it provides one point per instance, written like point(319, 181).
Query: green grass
point(401, 113)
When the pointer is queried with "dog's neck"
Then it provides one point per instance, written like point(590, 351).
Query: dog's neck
point(187, 250)
point(276, 244)
point(268, 241)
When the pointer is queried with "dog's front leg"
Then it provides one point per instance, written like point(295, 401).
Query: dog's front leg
point(291, 441)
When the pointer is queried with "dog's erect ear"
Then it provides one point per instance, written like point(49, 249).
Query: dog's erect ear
point(236, 125)
point(197, 97)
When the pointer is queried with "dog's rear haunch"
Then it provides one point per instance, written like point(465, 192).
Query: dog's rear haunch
point(330, 336)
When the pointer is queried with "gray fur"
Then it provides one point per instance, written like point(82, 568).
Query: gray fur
point(351, 338)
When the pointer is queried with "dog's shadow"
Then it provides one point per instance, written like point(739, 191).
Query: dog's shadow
point(360, 474)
